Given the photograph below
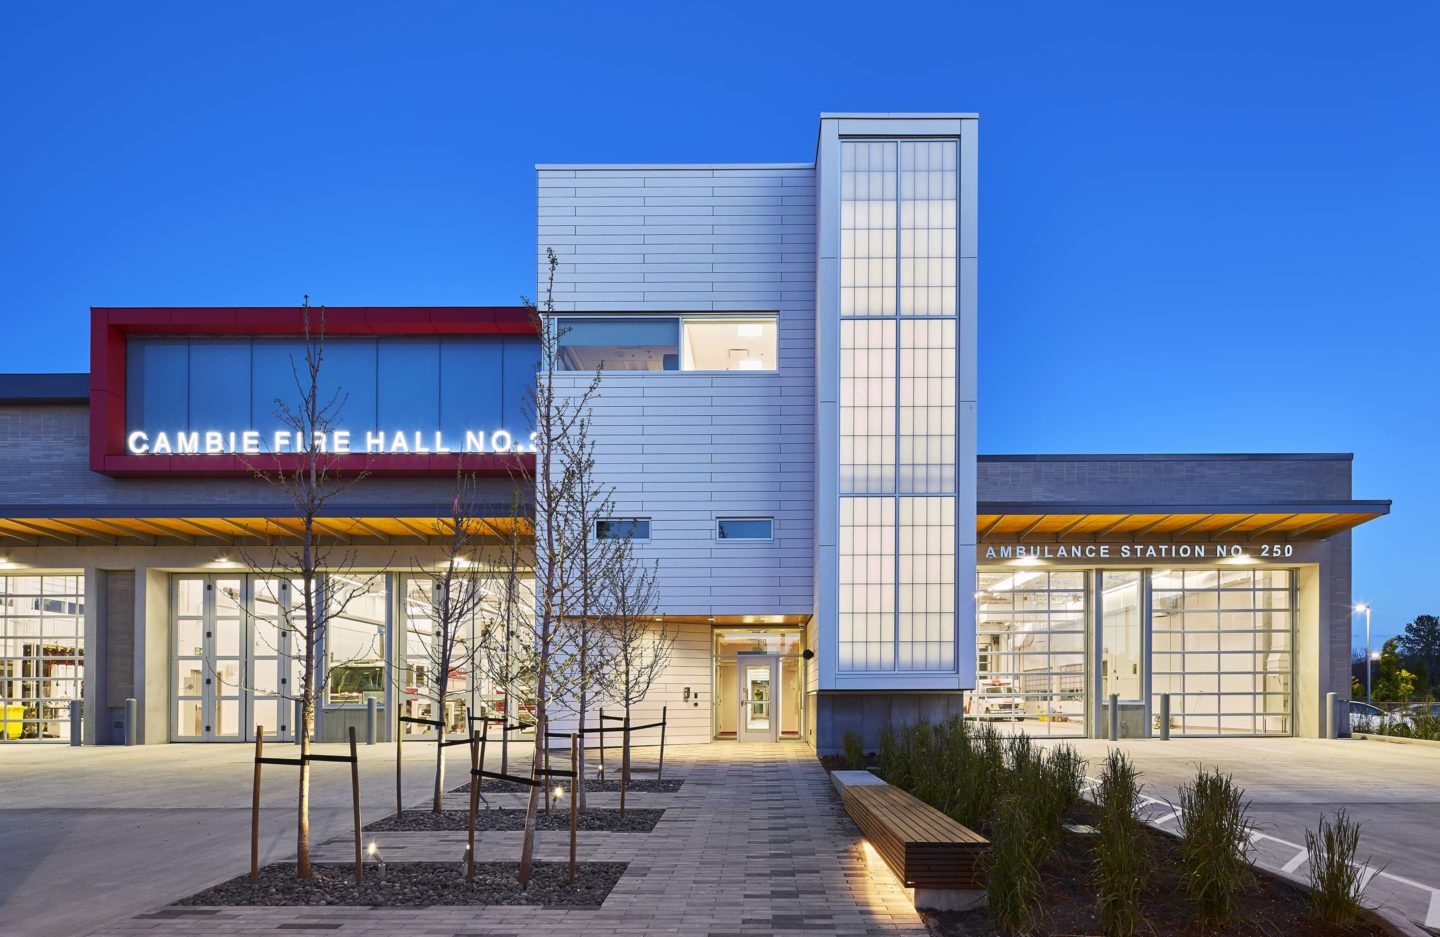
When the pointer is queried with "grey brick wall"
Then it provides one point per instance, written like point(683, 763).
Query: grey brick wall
point(45, 459)
point(119, 637)
point(1164, 479)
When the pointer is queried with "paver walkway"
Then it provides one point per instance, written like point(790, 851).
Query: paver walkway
point(755, 842)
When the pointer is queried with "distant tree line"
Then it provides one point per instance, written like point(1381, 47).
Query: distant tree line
point(1408, 667)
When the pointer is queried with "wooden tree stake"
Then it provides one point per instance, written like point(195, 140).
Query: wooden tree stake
point(477, 759)
point(575, 781)
point(255, 808)
point(399, 743)
point(660, 771)
point(355, 796)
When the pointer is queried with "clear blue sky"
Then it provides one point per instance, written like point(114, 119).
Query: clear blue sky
point(1204, 227)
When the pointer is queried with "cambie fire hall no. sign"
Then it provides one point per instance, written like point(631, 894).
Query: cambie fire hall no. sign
point(787, 416)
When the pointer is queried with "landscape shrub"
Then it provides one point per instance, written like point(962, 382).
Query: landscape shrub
point(887, 760)
point(979, 762)
point(1420, 725)
point(1013, 887)
point(1122, 865)
point(924, 769)
point(854, 751)
point(1067, 772)
point(1214, 844)
point(1335, 877)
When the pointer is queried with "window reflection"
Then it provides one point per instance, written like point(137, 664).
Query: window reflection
point(355, 639)
point(631, 344)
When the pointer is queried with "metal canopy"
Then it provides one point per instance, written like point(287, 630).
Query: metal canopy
point(1052, 522)
point(243, 527)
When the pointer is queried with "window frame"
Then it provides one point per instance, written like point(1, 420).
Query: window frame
point(769, 519)
point(634, 521)
point(680, 320)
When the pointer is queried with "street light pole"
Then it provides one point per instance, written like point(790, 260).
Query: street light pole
point(1366, 610)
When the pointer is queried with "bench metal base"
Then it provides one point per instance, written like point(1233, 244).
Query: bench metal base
point(947, 899)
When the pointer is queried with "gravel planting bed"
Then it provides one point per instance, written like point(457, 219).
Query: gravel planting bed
point(409, 884)
point(593, 786)
point(595, 820)
point(636, 786)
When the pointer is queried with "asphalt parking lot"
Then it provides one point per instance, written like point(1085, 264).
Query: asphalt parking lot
point(1392, 789)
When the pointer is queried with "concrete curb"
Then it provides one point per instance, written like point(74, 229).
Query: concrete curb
point(1395, 740)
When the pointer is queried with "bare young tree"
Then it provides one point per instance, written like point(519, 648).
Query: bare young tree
point(640, 648)
point(321, 566)
point(588, 506)
point(540, 637)
point(442, 606)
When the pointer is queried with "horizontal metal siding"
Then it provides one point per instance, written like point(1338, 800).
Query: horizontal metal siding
point(681, 448)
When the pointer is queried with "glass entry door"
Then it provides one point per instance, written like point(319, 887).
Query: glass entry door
point(1122, 670)
point(758, 695)
point(231, 658)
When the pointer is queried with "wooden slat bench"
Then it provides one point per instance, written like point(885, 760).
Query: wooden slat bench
point(923, 847)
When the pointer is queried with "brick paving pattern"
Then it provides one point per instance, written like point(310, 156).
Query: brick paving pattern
point(755, 842)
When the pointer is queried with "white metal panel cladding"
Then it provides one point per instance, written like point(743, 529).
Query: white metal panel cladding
point(685, 448)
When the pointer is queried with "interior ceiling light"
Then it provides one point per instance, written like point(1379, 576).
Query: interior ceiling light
point(750, 330)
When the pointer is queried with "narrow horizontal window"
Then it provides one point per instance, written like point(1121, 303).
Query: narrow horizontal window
point(716, 344)
point(638, 344)
point(745, 528)
point(623, 528)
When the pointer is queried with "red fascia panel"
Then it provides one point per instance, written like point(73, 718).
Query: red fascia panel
point(109, 327)
point(407, 466)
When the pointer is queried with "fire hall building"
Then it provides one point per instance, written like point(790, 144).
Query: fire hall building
point(787, 417)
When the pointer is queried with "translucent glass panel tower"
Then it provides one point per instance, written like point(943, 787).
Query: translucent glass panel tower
point(899, 387)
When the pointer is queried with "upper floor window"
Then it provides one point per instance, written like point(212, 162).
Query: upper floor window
point(638, 344)
point(668, 343)
point(729, 344)
point(745, 528)
point(623, 528)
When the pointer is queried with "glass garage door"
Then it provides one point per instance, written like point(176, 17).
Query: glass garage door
point(1221, 644)
point(42, 655)
point(1030, 652)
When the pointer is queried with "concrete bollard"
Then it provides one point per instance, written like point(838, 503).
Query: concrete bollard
point(1332, 715)
point(131, 717)
point(370, 721)
point(1114, 732)
point(77, 722)
point(1164, 717)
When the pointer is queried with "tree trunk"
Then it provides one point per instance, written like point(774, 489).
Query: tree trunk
point(302, 841)
point(439, 802)
point(442, 690)
point(625, 761)
point(532, 804)
point(578, 787)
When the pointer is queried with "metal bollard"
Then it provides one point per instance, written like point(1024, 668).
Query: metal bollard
point(1332, 715)
point(131, 711)
point(1114, 717)
point(370, 721)
point(297, 724)
point(77, 724)
point(1164, 717)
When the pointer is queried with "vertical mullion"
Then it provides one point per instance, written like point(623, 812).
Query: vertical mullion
point(899, 341)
